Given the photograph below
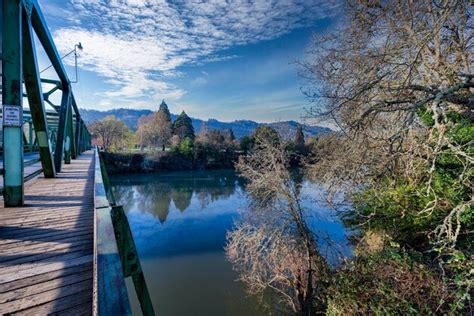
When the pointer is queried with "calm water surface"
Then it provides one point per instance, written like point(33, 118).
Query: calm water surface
point(179, 221)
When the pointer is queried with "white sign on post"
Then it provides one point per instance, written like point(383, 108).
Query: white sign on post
point(1, 117)
point(12, 115)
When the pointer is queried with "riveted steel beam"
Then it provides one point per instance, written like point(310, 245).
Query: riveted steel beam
point(35, 98)
point(12, 96)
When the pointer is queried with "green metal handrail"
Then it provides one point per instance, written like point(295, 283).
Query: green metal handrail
point(115, 254)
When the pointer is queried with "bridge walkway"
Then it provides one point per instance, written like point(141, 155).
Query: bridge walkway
point(46, 246)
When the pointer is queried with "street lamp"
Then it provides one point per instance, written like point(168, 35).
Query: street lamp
point(76, 47)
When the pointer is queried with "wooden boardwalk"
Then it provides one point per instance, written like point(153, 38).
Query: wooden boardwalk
point(46, 247)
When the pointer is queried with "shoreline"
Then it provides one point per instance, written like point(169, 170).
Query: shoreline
point(142, 163)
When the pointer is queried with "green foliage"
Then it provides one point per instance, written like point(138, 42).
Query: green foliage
point(215, 149)
point(267, 133)
point(414, 211)
point(396, 211)
point(164, 108)
point(426, 116)
point(183, 127)
point(231, 134)
point(185, 148)
point(246, 143)
point(389, 282)
point(130, 140)
point(299, 138)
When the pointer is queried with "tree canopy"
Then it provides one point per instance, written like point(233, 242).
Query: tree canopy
point(154, 130)
point(164, 109)
point(267, 133)
point(396, 79)
point(183, 127)
point(110, 132)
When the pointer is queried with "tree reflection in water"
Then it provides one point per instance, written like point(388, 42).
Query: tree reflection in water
point(160, 189)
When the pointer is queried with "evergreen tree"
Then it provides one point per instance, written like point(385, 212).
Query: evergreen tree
point(183, 127)
point(231, 134)
point(165, 110)
point(267, 133)
point(299, 138)
point(246, 143)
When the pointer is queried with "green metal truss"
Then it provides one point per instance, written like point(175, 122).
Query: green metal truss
point(57, 136)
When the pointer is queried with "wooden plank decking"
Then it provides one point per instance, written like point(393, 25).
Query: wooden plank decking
point(46, 247)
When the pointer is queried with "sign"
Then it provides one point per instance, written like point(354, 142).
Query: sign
point(1, 117)
point(12, 115)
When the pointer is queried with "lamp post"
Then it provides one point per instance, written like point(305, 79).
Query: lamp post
point(76, 47)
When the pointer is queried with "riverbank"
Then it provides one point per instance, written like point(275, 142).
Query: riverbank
point(118, 163)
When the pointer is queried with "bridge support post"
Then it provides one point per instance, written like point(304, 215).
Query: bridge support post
point(78, 135)
point(60, 138)
point(30, 137)
point(69, 143)
point(35, 98)
point(72, 132)
point(12, 102)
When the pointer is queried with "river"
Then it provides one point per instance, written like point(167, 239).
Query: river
point(179, 221)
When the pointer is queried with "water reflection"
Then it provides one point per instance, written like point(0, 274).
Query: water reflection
point(155, 192)
point(179, 222)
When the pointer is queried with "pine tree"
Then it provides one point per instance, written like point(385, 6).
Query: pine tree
point(299, 138)
point(231, 134)
point(267, 133)
point(183, 127)
point(165, 110)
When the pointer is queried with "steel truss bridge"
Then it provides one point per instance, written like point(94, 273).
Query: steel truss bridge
point(65, 245)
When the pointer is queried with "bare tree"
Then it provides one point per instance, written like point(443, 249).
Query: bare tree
point(154, 130)
point(273, 248)
point(388, 66)
point(144, 131)
point(110, 132)
point(396, 78)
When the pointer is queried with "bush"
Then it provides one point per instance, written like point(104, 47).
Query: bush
point(389, 282)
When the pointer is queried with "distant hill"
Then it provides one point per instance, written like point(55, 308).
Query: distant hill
point(241, 127)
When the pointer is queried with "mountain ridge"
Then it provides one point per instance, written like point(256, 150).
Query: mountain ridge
point(240, 128)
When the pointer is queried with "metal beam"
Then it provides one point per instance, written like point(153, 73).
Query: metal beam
point(60, 137)
point(35, 98)
point(12, 96)
point(69, 141)
point(78, 135)
point(73, 132)
point(39, 25)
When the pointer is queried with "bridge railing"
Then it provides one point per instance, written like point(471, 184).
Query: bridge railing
point(115, 254)
point(31, 146)
point(60, 135)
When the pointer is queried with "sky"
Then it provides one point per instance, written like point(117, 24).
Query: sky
point(226, 60)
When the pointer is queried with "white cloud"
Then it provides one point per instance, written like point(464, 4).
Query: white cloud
point(201, 80)
point(138, 45)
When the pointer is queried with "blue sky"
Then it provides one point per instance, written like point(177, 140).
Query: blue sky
point(222, 59)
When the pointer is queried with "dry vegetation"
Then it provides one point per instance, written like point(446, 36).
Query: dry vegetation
point(396, 78)
point(273, 248)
